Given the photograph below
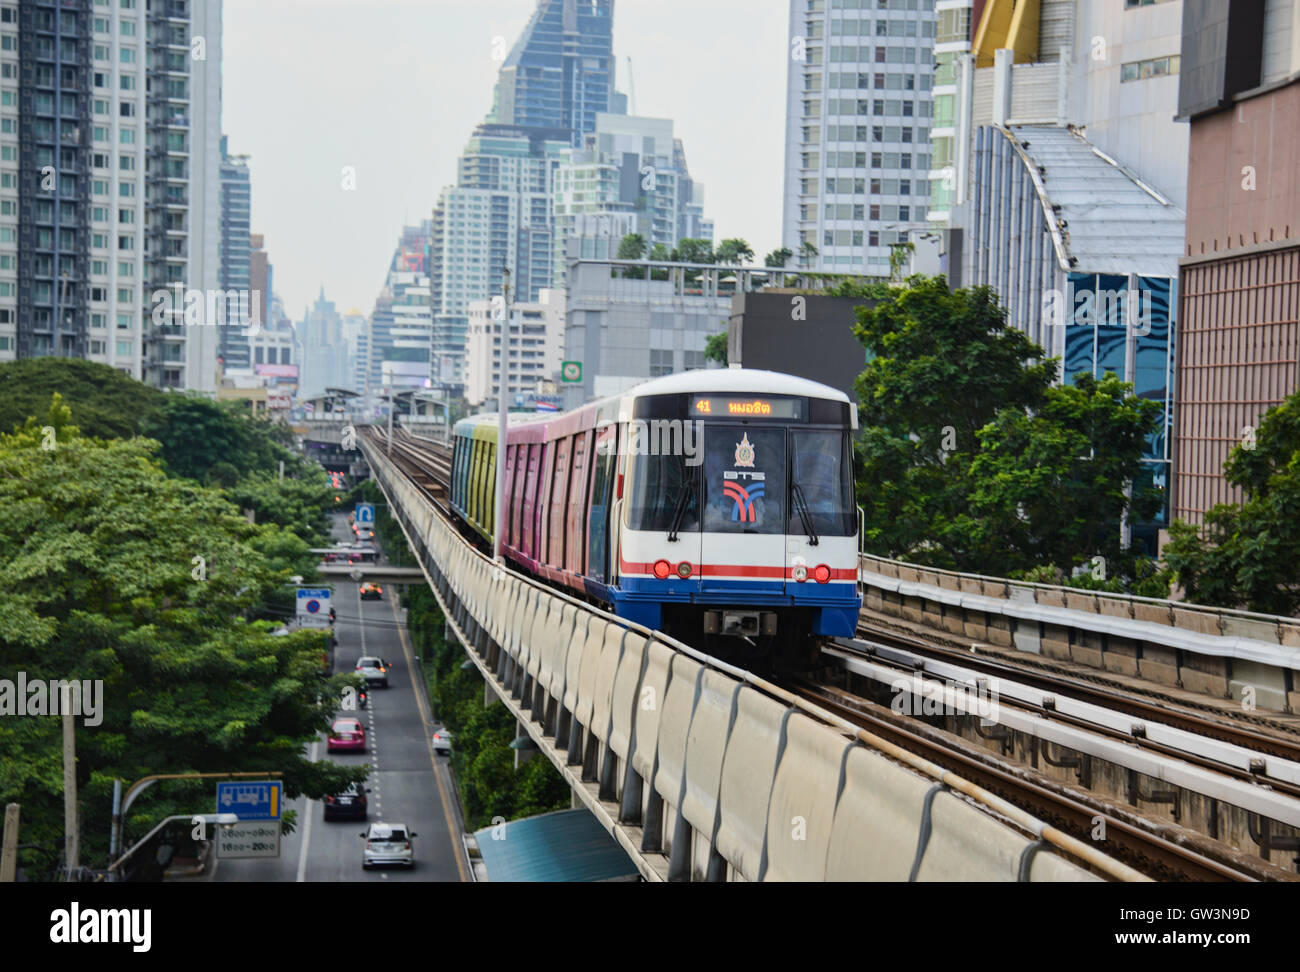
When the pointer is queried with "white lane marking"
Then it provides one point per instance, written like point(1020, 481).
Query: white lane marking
point(361, 621)
point(306, 829)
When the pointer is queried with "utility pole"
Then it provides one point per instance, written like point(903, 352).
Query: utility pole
point(71, 851)
point(9, 851)
point(502, 407)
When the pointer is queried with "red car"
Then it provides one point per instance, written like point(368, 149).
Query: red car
point(347, 734)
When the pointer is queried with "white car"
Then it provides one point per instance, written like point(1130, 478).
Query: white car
point(388, 843)
point(373, 670)
point(442, 741)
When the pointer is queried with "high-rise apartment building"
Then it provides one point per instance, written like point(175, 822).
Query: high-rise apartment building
point(630, 165)
point(398, 347)
point(858, 115)
point(951, 41)
point(236, 212)
point(556, 80)
point(110, 183)
point(498, 215)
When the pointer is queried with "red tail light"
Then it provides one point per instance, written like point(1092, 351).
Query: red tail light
point(821, 573)
point(662, 569)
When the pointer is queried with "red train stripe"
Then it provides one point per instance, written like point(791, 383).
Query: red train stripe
point(739, 570)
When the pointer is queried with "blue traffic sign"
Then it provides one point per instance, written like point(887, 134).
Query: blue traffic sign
point(365, 514)
point(250, 801)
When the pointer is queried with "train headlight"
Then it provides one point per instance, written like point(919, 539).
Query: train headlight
point(821, 573)
point(800, 573)
point(683, 570)
point(662, 569)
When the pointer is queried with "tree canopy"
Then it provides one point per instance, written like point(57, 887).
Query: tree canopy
point(1247, 553)
point(110, 404)
point(970, 458)
point(631, 247)
point(154, 584)
point(734, 251)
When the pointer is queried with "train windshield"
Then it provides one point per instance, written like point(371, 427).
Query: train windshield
point(820, 466)
point(663, 489)
point(744, 477)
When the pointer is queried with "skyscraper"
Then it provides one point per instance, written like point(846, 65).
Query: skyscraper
point(399, 345)
point(560, 73)
point(858, 113)
point(555, 81)
point(630, 165)
point(236, 212)
point(110, 183)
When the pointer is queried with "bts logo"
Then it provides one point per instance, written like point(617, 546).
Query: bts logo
point(744, 510)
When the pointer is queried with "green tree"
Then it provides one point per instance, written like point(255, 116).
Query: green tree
point(631, 247)
point(715, 348)
point(115, 571)
point(1052, 486)
point(734, 251)
point(778, 258)
point(807, 253)
point(661, 254)
point(898, 254)
point(971, 459)
point(1246, 554)
point(694, 251)
point(110, 404)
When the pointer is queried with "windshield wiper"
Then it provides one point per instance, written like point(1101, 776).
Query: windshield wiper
point(679, 511)
point(805, 515)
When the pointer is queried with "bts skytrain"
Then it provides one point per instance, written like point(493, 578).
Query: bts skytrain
point(715, 505)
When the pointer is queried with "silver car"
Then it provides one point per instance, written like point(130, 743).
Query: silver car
point(388, 843)
point(442, 741)
point(373, 670)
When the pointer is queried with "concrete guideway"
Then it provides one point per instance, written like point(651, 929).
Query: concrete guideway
point(1235, 650)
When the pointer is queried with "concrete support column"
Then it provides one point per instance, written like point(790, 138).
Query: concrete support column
point(522, 755)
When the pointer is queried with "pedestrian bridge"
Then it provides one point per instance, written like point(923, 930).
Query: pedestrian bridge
point(704, 772)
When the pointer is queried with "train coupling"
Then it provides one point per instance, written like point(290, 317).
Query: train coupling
point(740, 624)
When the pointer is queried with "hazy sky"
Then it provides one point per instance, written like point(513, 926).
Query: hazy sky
point(395, 87)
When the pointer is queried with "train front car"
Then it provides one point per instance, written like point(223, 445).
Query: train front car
point(740, 532)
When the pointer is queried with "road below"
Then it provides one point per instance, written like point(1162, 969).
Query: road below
point(408, 783)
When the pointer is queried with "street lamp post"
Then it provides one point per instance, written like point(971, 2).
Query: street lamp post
point(502, 379)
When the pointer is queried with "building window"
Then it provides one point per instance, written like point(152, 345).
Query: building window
point(661, 363)
point(1156, 67)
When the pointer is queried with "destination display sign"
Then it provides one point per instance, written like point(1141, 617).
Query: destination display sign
point(759, 407)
